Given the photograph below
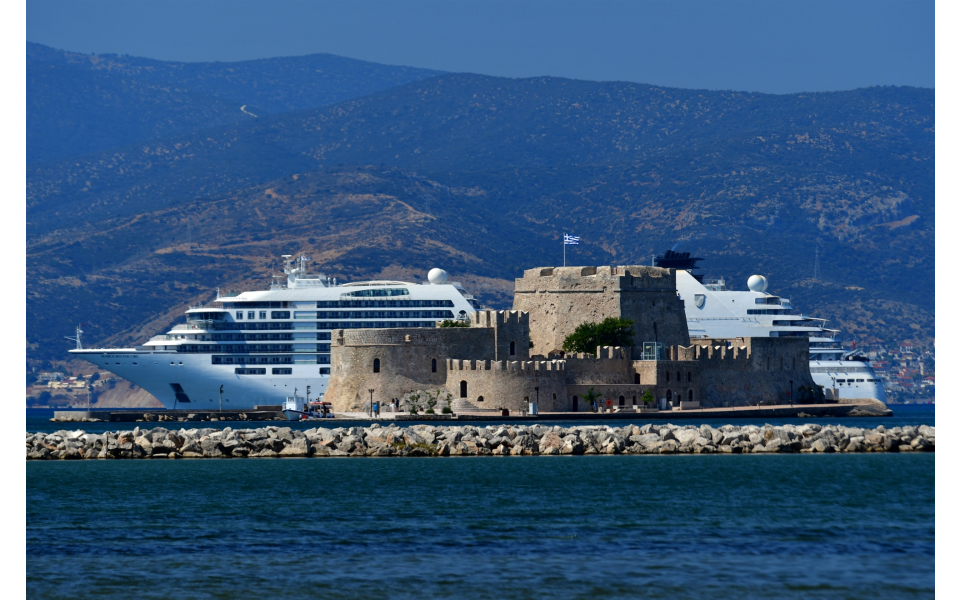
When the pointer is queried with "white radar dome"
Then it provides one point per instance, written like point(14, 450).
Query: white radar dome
point(437, 276)
point(757, 283)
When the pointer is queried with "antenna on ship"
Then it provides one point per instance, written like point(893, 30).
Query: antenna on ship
point(77, 337)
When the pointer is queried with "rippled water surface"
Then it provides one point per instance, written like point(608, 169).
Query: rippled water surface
point(688, 526)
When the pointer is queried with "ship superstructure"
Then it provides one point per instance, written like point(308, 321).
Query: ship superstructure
point(714, 311)
point(259, 347)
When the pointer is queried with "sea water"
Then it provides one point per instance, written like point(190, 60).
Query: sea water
point(685, 526)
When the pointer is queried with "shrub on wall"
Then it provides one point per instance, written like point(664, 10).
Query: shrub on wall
point(612, 331)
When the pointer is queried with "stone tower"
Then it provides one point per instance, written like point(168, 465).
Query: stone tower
point(560, 298)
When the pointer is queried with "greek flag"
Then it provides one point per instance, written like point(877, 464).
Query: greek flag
point(570, 240)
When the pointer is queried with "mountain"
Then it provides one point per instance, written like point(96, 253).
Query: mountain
point(481, 176)
point(79, 104)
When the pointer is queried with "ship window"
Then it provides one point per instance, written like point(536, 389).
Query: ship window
point(325, 371)
point(263, 314)
point(239, 315)
point(251, 314)
point(433, 366)
point(513, 348)
point(280, 371)
point(376, 365)
point(857, 380)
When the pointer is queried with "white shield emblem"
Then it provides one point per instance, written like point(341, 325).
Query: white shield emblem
point(699, 299)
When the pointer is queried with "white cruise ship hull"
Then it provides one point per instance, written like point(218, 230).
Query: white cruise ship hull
point(851, 379)
point(199, 381)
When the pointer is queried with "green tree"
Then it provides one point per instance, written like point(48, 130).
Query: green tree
point(647, 397)
point(592, 397)
point(612, 331)
point(451, 323)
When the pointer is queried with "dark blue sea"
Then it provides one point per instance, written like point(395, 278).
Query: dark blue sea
point(684, 526)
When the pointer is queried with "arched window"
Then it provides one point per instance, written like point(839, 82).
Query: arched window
point(622, 400)
point(479, 398)
point(688, 375)
point(433, 366)
point(634, 400)
point(668, 375)
point(669, 395)
point(690, 395)
point(463, 389)
point(678, 376)
point(376, 365)
point(513, 348)
point(636, 378)
point(554, 396)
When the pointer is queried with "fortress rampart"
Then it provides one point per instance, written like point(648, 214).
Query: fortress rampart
point(488, 364)
point(560, 298)
point(508, 384)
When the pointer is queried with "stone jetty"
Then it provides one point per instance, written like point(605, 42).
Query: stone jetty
point(430, 440)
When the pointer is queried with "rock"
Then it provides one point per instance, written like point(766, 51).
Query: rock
point(822, 446)
point(669, 447)
point(211, 447)
point(687, 436)
point(298, 447)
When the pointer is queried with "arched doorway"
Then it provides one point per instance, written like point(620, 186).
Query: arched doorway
point(690, 395)
point(463, 389)
point(622, 400)
point(513, 348)
point(669, 395)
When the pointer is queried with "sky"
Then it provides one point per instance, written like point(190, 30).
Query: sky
point(747, 45)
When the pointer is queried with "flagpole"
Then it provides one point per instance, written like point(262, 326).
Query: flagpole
point(564, 250)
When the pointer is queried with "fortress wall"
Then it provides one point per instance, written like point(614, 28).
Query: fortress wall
point(508, 384)
point(612, 366)
point(751, 370)
point(509, 327)
point(406, 361)
point(632, 395)
point(560, 298)
point(680, 377)
point(406, 356)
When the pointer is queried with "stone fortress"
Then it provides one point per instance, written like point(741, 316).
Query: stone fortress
point(507, 359)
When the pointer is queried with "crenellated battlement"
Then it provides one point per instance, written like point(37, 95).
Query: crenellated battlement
point(540, 367)
point(493, 318)
point(624, 278)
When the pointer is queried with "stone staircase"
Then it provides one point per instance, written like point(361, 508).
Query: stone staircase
point(460, 405)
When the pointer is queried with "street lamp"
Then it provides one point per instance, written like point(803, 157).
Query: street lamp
point(537, 390)
point(371, 402)
point(221, 398)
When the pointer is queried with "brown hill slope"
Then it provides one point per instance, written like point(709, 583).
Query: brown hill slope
point(130, 278)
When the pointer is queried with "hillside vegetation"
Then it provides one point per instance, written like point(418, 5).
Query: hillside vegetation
point(482, 176)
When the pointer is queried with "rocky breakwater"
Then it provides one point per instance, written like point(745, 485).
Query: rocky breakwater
point(427, 440)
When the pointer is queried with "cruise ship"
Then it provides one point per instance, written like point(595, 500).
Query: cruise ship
point(261, 347)
point(716, 312)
